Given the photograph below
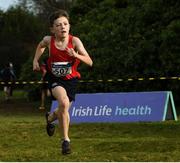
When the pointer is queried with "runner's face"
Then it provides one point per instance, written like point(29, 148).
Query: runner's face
point(61, 27)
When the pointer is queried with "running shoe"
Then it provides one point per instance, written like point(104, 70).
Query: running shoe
point(50, 128)
point(66, 149)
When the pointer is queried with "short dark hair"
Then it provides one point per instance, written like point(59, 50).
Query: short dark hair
point(56, 15)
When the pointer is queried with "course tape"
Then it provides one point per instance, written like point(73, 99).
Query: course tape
point(98, 80)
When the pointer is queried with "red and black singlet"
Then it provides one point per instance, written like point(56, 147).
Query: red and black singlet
point(60, 63)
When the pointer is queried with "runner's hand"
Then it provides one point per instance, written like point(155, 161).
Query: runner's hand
point(71, 52)
point(36, 66)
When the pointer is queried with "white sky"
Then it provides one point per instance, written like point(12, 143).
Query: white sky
point(5, 4)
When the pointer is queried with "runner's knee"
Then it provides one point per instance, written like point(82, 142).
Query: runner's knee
point(64, 105)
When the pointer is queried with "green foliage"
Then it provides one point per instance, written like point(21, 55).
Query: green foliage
point(19, 31)
point(129, 38)
point(169, 49)
point(125, 38)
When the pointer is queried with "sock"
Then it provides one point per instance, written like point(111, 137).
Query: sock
point(65, 140)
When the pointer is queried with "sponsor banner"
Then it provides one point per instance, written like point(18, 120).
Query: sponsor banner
point(121, 107)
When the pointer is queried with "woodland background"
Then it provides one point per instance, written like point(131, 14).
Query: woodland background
point(125, 38)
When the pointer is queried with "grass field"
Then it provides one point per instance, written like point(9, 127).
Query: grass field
point(23, 138)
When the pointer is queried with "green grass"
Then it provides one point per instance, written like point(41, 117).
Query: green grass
point(23, 138)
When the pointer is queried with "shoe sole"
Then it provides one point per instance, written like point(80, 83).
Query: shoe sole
point(50, 128)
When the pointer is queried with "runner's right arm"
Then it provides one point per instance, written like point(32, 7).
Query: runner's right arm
point(39, 51)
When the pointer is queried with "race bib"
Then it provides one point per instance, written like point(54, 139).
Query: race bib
point(60, 69)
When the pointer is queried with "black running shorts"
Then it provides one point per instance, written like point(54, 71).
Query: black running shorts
point(68, 85)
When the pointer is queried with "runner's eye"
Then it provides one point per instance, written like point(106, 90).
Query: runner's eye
point(58, 25)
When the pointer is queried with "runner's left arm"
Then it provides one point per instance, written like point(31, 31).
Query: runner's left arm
point(81, 53)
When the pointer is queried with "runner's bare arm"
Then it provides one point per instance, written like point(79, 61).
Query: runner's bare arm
point(39, 51)
point(82, 54)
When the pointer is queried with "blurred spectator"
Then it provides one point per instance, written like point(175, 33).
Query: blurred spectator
point(8, 77)
point(44, 89)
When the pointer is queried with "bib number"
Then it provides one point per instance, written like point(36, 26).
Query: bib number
point(60, 69)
